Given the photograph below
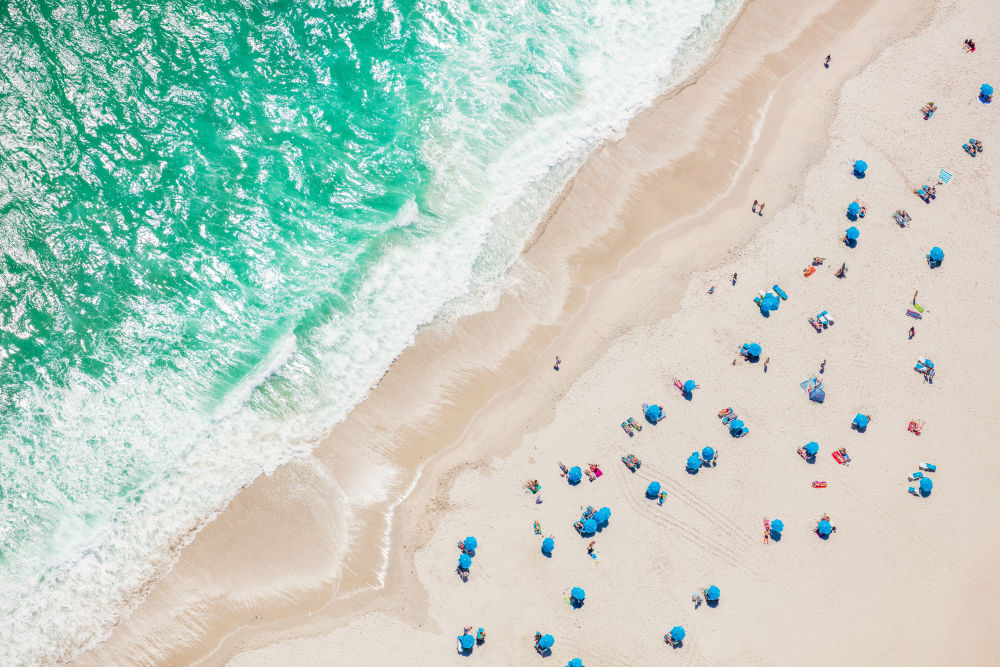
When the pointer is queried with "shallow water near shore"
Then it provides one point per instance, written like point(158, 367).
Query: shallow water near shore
point(222, 222)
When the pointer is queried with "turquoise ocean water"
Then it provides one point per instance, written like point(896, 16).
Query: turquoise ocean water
point(220, 222)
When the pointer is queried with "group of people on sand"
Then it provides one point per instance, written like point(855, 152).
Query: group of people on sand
point(759, 211)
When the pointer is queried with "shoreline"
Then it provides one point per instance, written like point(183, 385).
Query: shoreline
point(625, 180)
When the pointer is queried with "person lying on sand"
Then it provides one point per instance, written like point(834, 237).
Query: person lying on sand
point(802, 452)
point(818, 261)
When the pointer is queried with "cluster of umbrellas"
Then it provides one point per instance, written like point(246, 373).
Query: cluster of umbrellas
point(468, 548)
point(768, 303)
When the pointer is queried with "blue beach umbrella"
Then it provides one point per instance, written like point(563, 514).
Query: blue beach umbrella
point(603, 515)
point(693, 462)
point(677, 633)
point(577, 594)
point(589, 527)
point(575, 662)
point(754, 350)
point(575, 475)
point(926, 484)
point(936, 254)
point(769, 302)
point(817, 395)
point(853, 208)
point(713, 592)
point(824, 527)
point(860, 420)
point(546, 641)
point(853, 233)
point(654, 413)
point(467, 641)
point(548, 544)
point(860, 166)
point(708, 454)
point(777, 526)
point(689, 386)
point(812, 448)
point(986, 89)
point(464, 561)
point(736, 427)
point(470, 544)
point(653, 490)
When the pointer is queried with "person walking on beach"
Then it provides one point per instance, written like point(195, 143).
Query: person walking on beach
point(761, 211)
point(558, 361)
point(734, 279)
point(765, 363)
point(754, 209)
point(827, 63)
point(590, 548)
point(822, 367)
point(912, 333)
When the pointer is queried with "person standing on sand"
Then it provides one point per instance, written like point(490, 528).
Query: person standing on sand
point(590, 547)
point(734, 279)
point(912, 333)
point(827, 63)
point(822, 367)
point(754, 209)
point(558, 361)
point(765, 363)
point(761, 211)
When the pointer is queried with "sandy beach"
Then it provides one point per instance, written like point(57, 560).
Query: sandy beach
point(616, 282)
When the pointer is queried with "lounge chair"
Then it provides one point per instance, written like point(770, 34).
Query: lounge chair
point(780, 292)
point(969, 149)
point(978, 144)
point(915, 476)
point(723, 413)
point(929, 467)
point(815, 325)
point(627, 428)
point(913, 491)
point(731, 417)
point(914, 314)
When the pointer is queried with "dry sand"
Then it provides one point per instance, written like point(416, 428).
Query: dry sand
point(903, 578)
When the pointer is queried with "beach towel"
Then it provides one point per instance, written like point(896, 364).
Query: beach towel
point(810, 384)
point(944, 176)
point(838, 457)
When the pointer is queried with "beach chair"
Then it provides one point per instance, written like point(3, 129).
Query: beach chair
point(723, 413)
point(636, 425)
point(731, 417)
point(627, 428)
point(538, 528)
point(819, 485)
point(969, 149)
point(913, 491)
point(815, 325)
point(780, 292)
point(915, 476)
point(914, 314)
point(929, 467)
point(825, 318)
